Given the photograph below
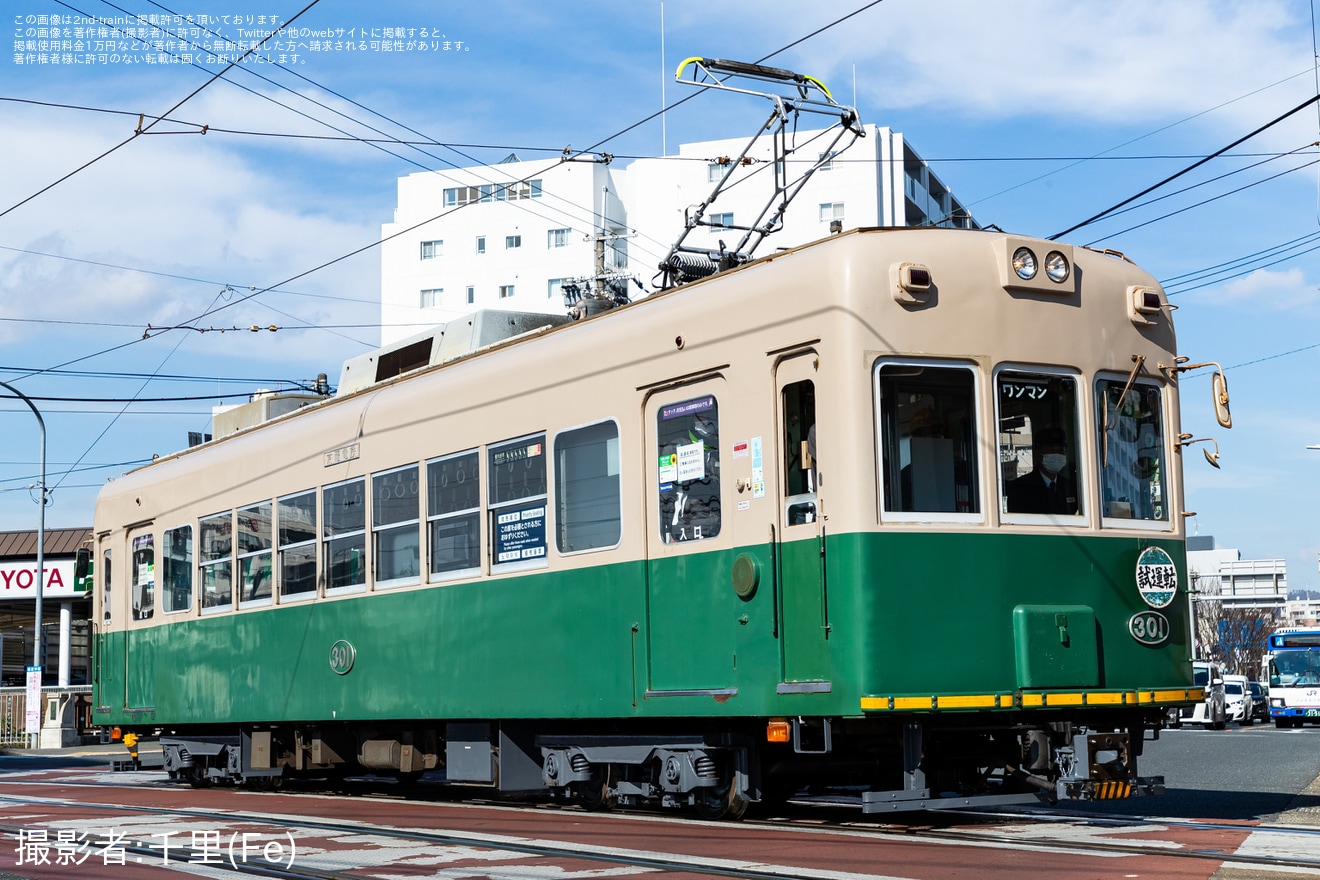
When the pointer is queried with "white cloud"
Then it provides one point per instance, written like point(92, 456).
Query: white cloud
point(1275, 290)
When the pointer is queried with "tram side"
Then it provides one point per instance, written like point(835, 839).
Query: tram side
point(628, 527)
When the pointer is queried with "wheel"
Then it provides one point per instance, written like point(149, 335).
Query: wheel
point(1248, 721)
point(594, 794)
point(721, 802)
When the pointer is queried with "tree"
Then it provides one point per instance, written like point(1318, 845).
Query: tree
point(1234, 636)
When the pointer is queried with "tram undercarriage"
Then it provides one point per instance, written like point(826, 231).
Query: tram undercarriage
point(889, 766)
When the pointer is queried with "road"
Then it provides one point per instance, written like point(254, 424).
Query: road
point(1242, 773)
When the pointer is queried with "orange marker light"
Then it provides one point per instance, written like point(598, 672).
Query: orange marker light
point(776, 732)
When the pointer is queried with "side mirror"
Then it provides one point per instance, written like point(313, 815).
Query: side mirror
point(1219, 389)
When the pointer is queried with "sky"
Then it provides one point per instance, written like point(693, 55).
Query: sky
point(259, 202)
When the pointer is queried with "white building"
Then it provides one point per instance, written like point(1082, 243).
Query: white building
point(507, 235)
point(1221, 574)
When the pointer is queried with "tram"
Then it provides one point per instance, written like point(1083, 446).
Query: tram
point(898, 511)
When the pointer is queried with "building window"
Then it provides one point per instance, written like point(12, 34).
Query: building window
point(177, 569)
point(432, 249)
point(827, 161)
point(588, 502)
point(688, 440)
point(517, 495)
point(453, 514)
point(344, 537)
point(831, 211)
point(557, 238)
point(506, 291)
point(554, 288)
point(297, 534)
point(396, 530)
point(721, 221)
point(481, 244)
point(714, 172)
point(254, 550)
point(512, 241)
point(431, 297)
point(472, 295)
point(459, 196)
point(215, 556)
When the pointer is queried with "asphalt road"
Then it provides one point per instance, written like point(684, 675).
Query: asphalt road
point(1238, 773)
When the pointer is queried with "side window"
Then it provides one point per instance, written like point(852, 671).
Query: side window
point(588, 503)
point(396, 528)
point(688, 436)
point(1038, 425)
point(297, 545)
point(799, 408)
point(344, 535)
point(517, 500)
point(215, 555)
point(1132, 451)
point(453, 510)
point(107, 607)
point(144, 577)
point(928, 439)
point(176, 568)
point(255, 528)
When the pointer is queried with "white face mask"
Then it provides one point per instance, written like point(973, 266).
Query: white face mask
point(1054, 462)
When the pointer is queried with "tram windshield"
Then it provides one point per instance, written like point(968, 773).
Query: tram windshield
point(1038, 444)
point(928, 416)
point(1295, 668)
point(1133, 475)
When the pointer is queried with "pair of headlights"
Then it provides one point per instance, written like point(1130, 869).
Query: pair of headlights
point(1026, 266)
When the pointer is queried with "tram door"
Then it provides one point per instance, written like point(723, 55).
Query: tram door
point(691, 631)
point(139, 656)
point(804, 611)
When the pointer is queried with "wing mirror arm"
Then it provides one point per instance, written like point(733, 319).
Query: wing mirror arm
point(1218, 386)
point(1212, 457)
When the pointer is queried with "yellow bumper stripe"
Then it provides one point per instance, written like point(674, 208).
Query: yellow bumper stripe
point(1030, 700)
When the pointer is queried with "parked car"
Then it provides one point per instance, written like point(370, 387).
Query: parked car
point(1260, 700)
point(1237, 699)
point(1213, 711)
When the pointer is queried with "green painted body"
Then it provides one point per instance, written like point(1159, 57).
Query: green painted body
point(879, 613)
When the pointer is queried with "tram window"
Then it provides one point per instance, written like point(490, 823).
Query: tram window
point(255, 527)
point(928, 420)
point(106, 605)
point(396, 525)
point(297, 544)
point(688, 437)
point(1132, 450)
point(345, 536)
point(215, 555)
point(144, 577)
point(176, 568)
point(1038, 444)
point(588, 512)
point(799, 408)
point(517, 490)
point(453, 508)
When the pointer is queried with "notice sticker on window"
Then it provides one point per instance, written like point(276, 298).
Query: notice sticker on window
point(691, 462)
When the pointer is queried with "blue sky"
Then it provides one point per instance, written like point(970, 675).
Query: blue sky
point(1005, 100)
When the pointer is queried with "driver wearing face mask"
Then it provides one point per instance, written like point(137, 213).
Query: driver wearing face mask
point(1048, 488)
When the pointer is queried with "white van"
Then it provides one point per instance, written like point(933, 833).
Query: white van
point(1237, 699)
point(1213, 712)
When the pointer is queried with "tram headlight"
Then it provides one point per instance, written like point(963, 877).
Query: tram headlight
point(1056, 267)
point(1024, 263)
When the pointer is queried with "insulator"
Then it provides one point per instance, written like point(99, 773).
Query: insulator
point(690, 267)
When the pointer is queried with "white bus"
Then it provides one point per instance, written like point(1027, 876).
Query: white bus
point(1292, 662)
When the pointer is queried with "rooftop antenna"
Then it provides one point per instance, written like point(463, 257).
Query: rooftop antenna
point(808, 95)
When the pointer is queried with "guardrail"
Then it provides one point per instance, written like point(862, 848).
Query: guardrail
point(13, 712)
